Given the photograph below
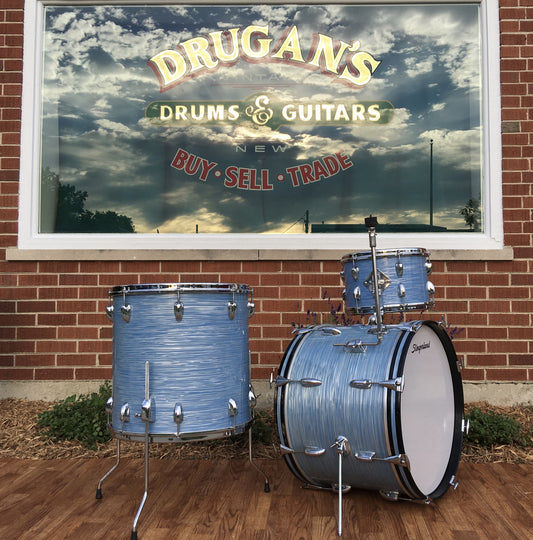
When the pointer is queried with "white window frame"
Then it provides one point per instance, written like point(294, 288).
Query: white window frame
point(29, 237)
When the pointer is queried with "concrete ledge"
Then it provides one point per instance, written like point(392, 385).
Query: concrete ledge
point(15, 254)
point(496, 393)
point(504, 394)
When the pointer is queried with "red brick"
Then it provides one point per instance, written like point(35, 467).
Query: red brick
point(35, 360)
point(84, 374)
point(56, 319)
point(280, 279)
point(14, 374)
point(487, 360)
point(92, 346)
point(36, 332)
point(521, 359)
point(76, 360)
point(56, 346)
point(510, 374)
point(77, 332)
point(471, 374)
point(50, 374)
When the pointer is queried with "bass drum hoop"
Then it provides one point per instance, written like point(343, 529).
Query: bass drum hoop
point(403, 474)
point(285, 363)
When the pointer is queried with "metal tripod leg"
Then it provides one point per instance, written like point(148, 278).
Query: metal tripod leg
point(99, 487)
point(145, 495)
point(146, 416)
point(343, 450)
point(267, 485)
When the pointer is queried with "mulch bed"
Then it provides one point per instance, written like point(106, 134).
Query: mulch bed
point(19, 438)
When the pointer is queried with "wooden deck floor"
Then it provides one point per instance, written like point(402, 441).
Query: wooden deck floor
point(203, 499)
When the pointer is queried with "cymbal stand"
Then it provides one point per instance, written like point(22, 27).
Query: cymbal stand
point(370, 223)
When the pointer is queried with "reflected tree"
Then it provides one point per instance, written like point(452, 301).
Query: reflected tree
point(71, 216)
point(472, 214)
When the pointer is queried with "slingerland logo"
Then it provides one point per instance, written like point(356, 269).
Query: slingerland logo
point(267, 110)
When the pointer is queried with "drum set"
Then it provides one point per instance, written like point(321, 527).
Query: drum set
point(368, 406)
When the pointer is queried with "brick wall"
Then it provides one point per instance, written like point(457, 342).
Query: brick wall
point(52, 314)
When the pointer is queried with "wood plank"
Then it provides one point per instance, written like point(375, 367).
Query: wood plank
point(201, 499)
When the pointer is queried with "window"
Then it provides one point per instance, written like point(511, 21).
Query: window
point(260, 126)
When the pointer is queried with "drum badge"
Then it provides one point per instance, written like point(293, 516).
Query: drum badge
point(383, 282)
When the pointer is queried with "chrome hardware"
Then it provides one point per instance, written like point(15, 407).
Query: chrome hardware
point(251, 309)
point(332, 331)
point(232, 407)
point(126, 308)
point(343, 450)
point(357, 294)
point(344, 295)
point(232, 411)
point(282, 381)
point(465, 426)
point(343, 277)
point(430, 287)
point(355, 272)
point(383, 282)
point(312, 451)
point(304, 330)
point(232, 309)
point(453, 483)
point(334, 487)
point(252, 399)
point(368, 456)
point(399, 269)
point(395, 496)
point(125, 413)
point(414, 327)
point(355, 345)
point(358, 346)
point(146, 410)
point(178, 413)
point(393, 384)
point(178, 417)
point(429, 267)
point(460, 363)
point(109, 405)
point(109, 312)
point(251, 305)
point(178, 310)
point(126, 312)
point(342, 445)
point(401, 290)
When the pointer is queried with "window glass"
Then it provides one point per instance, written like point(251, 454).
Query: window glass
point(258, 119)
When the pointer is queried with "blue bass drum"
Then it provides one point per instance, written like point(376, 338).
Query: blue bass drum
point(399, 404)
point(402, 280)
point(185, 348)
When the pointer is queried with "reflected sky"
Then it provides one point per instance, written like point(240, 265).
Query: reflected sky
point(97, 85)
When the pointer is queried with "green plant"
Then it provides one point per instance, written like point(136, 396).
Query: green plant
point(262, 427)
point(81, 418)
point(489, 429)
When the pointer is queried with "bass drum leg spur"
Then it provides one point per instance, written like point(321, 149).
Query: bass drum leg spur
point(396, 401)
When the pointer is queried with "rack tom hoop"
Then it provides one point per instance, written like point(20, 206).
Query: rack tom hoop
point(398, 403)
point(188, 343)
point(402, 280)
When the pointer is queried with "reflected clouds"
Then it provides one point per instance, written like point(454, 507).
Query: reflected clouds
point(97, 86)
